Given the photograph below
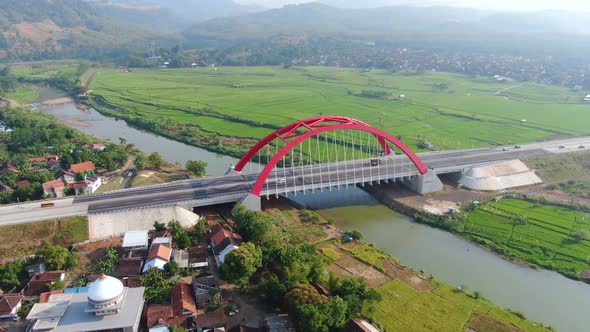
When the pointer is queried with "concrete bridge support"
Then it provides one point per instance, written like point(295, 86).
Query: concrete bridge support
point(251, 202)
point(423, 184)
point(117, 223)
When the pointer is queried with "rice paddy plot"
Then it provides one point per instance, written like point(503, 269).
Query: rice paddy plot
point(451, 110)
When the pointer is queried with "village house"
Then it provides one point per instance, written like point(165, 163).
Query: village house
point(40, 282)
point(4, 187)
point(164, 240)
point(4, 127)
point(158, 256)
point(38, 267)
point(133, 240)
point(180, 313)
point(66, 176)
point(84, 167)
point(8, 166)
point(9, 305)
point(223, 241)
point(22, 184)
point(54, 189)
point(96, 146)
point(360, 325)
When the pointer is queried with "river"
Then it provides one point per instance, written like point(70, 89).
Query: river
point(98, 125)
point(543, 296)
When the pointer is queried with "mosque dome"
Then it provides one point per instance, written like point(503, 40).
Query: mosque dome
point(105, 290)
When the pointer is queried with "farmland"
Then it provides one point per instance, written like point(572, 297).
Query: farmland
point(205, 107)
point(414, 303)
point(540, 234)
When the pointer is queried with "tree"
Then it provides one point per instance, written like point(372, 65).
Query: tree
point(155, 159)
point(354, 292)
point(140, 161)
point(10, 275)
point(241, 264)
point(58, 258)
point(199, 230)
point(159, 226)
point(24, 310)
point(57, 285)
point(581, 234)
point(357, 235)
point(171, 268)
point(108, 264)
point(250, 224)
point(158, 287)
point(197, 167)
point(303, 294)
point(336, 311)
point(182, 239)
point(311, 318)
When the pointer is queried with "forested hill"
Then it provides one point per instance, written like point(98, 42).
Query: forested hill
point(418, 27)
point(41, 29)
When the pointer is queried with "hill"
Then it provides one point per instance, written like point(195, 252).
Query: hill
point(41, 29)
point(418, 27)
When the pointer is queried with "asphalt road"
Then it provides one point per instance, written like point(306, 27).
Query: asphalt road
point(206, 191)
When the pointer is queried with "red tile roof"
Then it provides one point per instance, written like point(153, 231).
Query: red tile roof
point(4, 187)
point(37, 159)
point(8, 302)
point(57, 184)
point(23, 183)
point(183, 299)
point(82, 167)
point(39, 283)
point(161, 251)
point(9, 165)
point(157, 312)
point(44, 297)
point(220, 234)
point(78, 185)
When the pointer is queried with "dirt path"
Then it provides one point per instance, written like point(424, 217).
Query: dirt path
point(510, 87)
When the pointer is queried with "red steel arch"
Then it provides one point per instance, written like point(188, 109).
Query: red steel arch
point(315, 127)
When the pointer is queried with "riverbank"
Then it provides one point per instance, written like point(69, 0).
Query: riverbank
point(534, 233)
point(411, 301)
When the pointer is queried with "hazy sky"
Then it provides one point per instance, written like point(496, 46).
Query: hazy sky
point(576, 5)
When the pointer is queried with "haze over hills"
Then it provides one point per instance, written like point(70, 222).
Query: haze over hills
point(41, 29)
point(186, 10)
point(418, 27)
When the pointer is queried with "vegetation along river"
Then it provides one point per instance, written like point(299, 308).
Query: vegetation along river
point(542, 295)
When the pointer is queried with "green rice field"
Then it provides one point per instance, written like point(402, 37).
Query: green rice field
point(444, 309)
point(546, 236)
point(451, 110)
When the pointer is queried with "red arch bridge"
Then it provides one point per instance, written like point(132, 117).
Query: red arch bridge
point(326, 152)
point(321, 153)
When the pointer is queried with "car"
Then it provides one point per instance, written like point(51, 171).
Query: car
point(375, 162)
point(581, 147)
point(282, 181)
point(562, 146)
point(517, 146)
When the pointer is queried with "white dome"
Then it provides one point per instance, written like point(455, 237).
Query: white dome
point(104, 289)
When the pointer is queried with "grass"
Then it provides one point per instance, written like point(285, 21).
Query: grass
point(444, 309)
point(25, 239)
point(366, 253)
point(43, 71)
point(561, 167)
point(546, 240)
point(245, 102)
point(576, 187)
point(23, 95)
point(114, 183)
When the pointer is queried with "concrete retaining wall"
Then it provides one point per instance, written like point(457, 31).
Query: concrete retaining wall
point(502, 176)
point(109, 224)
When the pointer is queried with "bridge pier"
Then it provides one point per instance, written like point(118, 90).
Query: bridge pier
point(251, 202)
point(423, 184)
